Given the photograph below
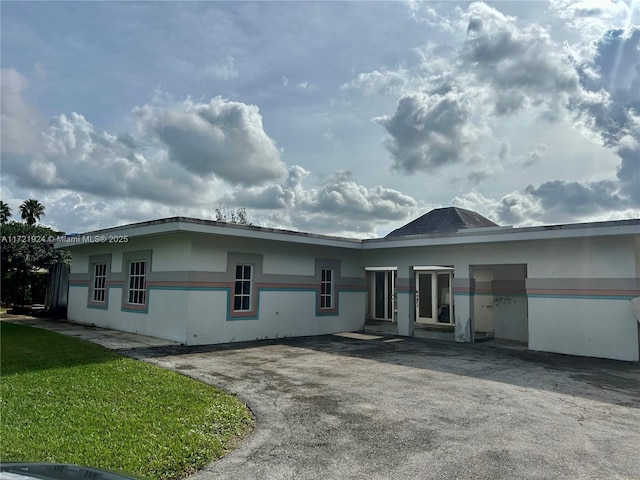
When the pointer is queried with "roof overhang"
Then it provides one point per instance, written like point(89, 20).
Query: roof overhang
point(177, 225)
point(185, 225)
point(491, 235)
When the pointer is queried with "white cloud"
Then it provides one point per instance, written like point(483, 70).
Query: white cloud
point(553, 202)
point(469, 97)
point(179, 152)
point(221, 138)
point(424, 12)
point(617, 62)
point(377, 82)
point(342, 194)
point(577, 199)
point(224, 70)
point(506, 67)
point(306, 87)
point(591, 17)
point(336, 204)
point(21, 123)
point(524, 67)
point(74, 156)
point(180, 159)
point(431, 130)
point(533, 157)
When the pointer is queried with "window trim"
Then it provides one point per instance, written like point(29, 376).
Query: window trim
point(128, 258)
point(323, 264)
point(244, 293)
point(324, 294)
point(235, 260)
point(137, 275)
point(100, 277)
point(95, 260)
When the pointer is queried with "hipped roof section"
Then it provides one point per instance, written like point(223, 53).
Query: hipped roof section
point(443, 220)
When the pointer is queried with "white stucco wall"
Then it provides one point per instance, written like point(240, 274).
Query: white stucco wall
point(578, 325)
point(405, 314)
point(195, 314)
point(590, 327)
point(165, 317)
point(605, 257)
point(510, 317)
point(281, 314)
point(279, 258)
point(208, 254)
point(483, 318)
point(284, 313)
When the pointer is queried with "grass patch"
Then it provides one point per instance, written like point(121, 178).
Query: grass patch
point(70, 401)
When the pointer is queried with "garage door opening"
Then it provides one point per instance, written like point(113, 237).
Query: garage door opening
point(499, 303)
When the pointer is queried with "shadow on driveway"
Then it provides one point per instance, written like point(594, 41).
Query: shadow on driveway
point(615, 381)
point(357, 406)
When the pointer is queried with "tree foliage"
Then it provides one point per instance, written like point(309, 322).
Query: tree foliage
point(238, 216)
point(27, 253)
point(5, 212)
point(31, 210)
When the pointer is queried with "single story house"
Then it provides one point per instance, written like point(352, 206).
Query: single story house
point(561, 288)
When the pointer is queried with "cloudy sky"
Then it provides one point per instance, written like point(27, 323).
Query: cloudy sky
point(347, 118)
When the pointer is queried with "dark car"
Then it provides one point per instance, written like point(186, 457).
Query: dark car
point(57, 471)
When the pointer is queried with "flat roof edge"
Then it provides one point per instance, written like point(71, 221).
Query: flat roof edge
point(511, 231)
point(238, 228)
point(500, 233)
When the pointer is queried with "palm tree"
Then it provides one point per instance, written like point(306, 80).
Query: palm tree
point(5, 212)
point(31, 210)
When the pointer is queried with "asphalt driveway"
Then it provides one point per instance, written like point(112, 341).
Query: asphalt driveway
point(380, 407)
point(361, 406)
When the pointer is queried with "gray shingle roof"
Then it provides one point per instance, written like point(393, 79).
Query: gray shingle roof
point(443, 220)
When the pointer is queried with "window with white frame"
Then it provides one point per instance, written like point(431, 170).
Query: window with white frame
point(242, 301)
point(99, 282)
point(326, 288)
point(137, 282)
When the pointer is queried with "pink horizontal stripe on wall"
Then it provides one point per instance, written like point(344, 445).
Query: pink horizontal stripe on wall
point(192, 284)
point(462, 290)
point(186, 284)
point(85, 283)
point(289, 285)
point(583, 292)
point(484, 291)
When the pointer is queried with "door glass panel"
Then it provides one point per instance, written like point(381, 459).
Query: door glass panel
point(444, 298)
point(425, 307)
point(379, 295)
point(444, 292)
point(389, 295)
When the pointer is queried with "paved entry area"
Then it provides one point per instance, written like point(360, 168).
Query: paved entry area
point(367, 406)
point(380, 407)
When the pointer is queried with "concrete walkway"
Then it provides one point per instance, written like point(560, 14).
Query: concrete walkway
point(381, 407)
point(112, 339)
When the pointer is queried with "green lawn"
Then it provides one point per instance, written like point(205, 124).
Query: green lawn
point(70, 401)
